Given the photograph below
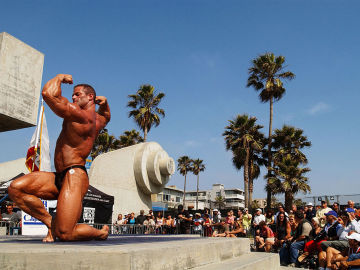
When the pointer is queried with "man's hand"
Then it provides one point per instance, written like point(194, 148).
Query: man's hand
point(100, 100)
point(65, 78)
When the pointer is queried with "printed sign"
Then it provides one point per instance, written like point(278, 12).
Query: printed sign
point(89, 215)
point(32, 226)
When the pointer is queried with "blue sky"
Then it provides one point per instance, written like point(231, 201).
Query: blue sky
point(198, 52)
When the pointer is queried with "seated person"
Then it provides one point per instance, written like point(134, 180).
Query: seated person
point(238, 230)
point(313, 246)
point(290, 251)
point(282, 230)
point(350, 257)
point(336, 231)
point(266, 237)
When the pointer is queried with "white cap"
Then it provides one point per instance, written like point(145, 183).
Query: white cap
point(309, 204)
point(215, 210)
point(354, 236)
point(259, 210)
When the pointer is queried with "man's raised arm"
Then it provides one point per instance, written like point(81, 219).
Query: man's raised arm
point(57, 103)
point(103, 111)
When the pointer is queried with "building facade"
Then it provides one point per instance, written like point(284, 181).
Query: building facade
point(216, 197)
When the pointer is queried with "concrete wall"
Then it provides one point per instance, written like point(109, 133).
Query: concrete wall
point(131, 175)
point(21, 69)
point(12, 168)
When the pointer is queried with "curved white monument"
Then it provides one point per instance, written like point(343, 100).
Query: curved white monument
point(131, 175)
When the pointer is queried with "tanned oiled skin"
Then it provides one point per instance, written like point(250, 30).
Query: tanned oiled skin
point(80, 127)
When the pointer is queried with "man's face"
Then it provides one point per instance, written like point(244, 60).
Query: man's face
point(281, 209)
point(335, 206)
point(353, 243)
point(324, 205)
point(9, 208)
point(80, 97)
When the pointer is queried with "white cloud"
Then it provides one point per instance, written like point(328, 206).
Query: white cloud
point(191, 143)
point(318, 108)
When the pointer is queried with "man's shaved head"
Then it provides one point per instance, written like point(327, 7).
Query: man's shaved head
point(88, 89)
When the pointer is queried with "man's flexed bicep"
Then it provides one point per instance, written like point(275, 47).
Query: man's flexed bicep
point(57, 103)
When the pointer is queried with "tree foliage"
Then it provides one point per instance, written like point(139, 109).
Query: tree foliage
point(266, 75)
point(243, 138)
point(146, 112)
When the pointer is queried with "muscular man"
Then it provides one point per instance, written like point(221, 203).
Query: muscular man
point(70, 182)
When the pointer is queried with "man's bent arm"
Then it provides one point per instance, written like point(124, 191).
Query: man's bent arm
point(103, 112)
point(59, 104)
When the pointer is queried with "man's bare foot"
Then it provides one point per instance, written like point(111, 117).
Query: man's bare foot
point(105, 233)
point(49, 238)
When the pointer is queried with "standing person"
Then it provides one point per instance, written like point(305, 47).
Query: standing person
point(320, 214)
point(216, 216)
point(184, 220)
point(336, 208)
point(246, 220)
point(69, 184)
point(140, 218)
point(270, 219)
point(281, 209)
point(311, 212)
point(351, 205)
point(207, 226)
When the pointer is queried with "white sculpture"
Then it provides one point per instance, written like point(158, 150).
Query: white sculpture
point(131, 175)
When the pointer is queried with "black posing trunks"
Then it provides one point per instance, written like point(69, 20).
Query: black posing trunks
point(59, 176)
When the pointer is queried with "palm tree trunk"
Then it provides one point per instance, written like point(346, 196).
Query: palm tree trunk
point(246, 178)
point(145, 133)
point(288, 200)
point(184, 192)
point(197, 192)
point(268, 197)
point(251, 182)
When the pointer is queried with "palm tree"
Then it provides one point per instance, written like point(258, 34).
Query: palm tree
point(288, 143)
point(104, 143)
point(288, 178)
point(241, 135)
point(266, 73)
point(130, 138)
point(197, 166)
point(184, 167)
point(219, 201)
point(145, 104)
point(290, 140)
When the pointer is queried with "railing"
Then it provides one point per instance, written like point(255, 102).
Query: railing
point(136, 229)
point(8, 227)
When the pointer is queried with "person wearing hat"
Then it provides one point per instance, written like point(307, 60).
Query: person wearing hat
point(311, 212)
point(320, 214)
point(246, 220)
point(348, 224)
point(349, 258)
point(332, 231)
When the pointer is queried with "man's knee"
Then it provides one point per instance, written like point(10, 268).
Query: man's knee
point(324, 245)
point(15, 189)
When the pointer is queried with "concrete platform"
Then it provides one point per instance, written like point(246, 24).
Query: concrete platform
point(124, 252)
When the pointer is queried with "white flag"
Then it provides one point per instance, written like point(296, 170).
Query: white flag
point(38, 155)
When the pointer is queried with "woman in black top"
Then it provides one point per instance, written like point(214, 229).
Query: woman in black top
point(283, 230)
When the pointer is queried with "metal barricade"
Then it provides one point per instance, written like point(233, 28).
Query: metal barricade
point(8, 227)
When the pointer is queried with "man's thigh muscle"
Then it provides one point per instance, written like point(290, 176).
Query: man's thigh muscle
point(39, 184)
point(69, 206)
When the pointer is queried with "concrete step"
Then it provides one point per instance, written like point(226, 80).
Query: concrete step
point(119, 252)
point(251, 261)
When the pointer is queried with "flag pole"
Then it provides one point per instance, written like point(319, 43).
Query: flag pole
point(38, 129)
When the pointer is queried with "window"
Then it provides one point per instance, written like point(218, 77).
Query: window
point(177, 199)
